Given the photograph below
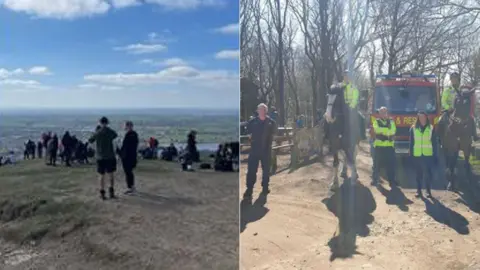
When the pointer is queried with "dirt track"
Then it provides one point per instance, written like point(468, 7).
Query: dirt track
point(178, 220)
point(298, 225)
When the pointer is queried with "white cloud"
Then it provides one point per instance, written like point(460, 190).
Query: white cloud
point(124, 3)
point(72, 9)
point(19, 82)
point(59, 9)
point(5, 73)
point(21, 85)
point(167, 62)
point(228, 29)
point(39, 70)
point(100, 87)
point(141, 48)
point(228, 54)
point(187, 4)
point(178, 74)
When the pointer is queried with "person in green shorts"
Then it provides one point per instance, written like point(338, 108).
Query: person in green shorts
point(105, 155)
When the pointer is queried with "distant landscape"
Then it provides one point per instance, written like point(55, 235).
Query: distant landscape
point(167, 125)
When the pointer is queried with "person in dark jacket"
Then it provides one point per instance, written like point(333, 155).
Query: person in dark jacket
point(46, 138)
point(67, 143)
point(423, 150)
point(262, 130)
point(52, 150)
point(105, 155)
point(128, 154)
point(40, 149)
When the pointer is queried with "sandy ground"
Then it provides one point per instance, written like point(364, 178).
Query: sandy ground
point(300, 225)
point(179, 220)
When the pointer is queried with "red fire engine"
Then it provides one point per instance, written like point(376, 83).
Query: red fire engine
point(405, 95)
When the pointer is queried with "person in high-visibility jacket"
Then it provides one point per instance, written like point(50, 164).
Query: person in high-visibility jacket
point(351, 96)
point(448, 101)
point(423, 150)
point(384, 130)
point(351, 93)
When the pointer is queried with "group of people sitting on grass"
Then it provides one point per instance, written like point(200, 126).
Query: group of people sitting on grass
point(227, 157)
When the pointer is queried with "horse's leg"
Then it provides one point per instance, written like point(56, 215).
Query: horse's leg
point(334, 185)
point(468, 167)
point(350, 160)
point(344, 173)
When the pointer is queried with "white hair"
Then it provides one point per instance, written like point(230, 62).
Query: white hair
point(262, 105)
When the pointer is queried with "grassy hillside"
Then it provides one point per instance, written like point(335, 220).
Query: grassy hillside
point(178, 220)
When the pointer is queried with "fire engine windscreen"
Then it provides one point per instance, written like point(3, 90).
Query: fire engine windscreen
point(405, 99)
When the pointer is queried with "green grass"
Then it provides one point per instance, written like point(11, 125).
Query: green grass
point(36, 201)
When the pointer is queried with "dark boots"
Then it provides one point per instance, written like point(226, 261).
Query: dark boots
point(111, 192)
point(102, 194)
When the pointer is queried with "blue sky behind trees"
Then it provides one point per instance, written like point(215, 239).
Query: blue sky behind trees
point(119, 53)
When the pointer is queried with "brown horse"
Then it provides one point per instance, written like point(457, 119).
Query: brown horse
point(456, 136)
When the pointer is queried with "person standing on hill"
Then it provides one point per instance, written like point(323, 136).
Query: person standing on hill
point(67, 143)
point(128, 154)
point(40, 149)
point(52, 150)
point(262, 129)
point(105, 155)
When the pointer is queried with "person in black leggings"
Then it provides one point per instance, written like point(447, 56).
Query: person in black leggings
point(128, 154)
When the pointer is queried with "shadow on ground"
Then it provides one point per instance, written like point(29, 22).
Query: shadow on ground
point(252, 212)
point(395, 196)
point(442, 214)
point(353, 206)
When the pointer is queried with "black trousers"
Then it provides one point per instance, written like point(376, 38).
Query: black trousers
point(53, 157)
point(128, 167)
point(67, 154)
point(424, 168)
point(384, 157)
point(252, 167)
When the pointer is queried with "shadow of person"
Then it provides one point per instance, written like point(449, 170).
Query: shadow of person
point(252, 212)
point(395, 196)
point(353, 206)
point(442, 214)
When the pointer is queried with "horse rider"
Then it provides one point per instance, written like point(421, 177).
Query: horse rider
point(352, 96)
point(351, 93)
point(423, 150)
point(448, 100)
point(384, 152)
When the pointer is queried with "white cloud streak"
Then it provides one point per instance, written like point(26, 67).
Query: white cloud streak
point(141, 48)
point(39, 70)
point(228, 29)
point(72, 9)
point(228, 54)
point(167, 62)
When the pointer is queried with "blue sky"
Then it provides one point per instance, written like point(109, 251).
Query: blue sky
point(119, 53)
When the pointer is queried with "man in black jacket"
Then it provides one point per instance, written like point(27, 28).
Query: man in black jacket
point(128, 153)
point(67, 143)
point(262, 129)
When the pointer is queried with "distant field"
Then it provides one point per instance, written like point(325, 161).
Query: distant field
point(166, 125)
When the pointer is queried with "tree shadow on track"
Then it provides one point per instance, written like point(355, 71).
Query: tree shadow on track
point(252, 212)
point(353, 206)
point(442, 214)
point(395, 196)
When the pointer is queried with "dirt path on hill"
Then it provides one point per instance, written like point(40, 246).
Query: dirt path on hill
point(301, 226)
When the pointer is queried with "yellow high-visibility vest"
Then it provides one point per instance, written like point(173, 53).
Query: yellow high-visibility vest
point(351, 96)
point(422, 142)
point(384, 131)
